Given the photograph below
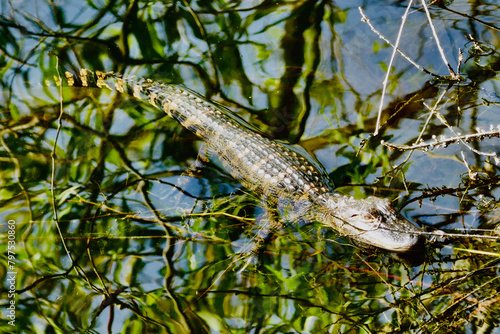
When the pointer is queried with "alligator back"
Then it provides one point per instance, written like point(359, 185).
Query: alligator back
point(259, 163)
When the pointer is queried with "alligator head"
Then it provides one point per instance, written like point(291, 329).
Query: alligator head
point(371, 222)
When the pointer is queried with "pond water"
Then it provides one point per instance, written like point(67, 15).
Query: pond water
point(112, 222)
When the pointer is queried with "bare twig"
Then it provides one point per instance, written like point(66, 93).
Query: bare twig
point(386, 79)
point(472, 175)
point(459, 138)
point(444, 142)
point(366, 20)
point(420, 135)
point(460, 60)
point(453, 75)
point(443, 234)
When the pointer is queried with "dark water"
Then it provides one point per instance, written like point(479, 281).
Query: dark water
point(150, 234)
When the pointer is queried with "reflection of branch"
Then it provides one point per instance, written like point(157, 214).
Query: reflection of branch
point(6, 23)
point(203, 34)
point(302, 301)
point(53, 156)
point(34, 121)
point(472, 18)
point(13, 158)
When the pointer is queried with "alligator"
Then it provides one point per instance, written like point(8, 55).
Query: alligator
point(270, 169)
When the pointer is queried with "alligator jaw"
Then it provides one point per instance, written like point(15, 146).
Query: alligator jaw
point(372, 222)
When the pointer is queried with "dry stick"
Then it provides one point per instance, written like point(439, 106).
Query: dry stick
point(472, 174)
point(446, 141)
point(457, 135)
point(453, 75)
point(433, 110)
point(460, 60)
point(419, 135)
point(366, 20)
point(386, 79)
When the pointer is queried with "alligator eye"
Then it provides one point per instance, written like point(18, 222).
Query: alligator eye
point(375, 216)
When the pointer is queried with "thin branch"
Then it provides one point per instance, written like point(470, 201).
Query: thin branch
point(453, 75)
point(366, 20)
point(444, 142)
point(386, 79)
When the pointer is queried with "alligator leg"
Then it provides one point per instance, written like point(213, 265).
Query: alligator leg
point(266, 225)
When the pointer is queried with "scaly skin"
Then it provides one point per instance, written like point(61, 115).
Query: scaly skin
point(267, 167)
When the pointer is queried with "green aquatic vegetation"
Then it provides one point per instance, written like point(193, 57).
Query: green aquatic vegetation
point(147, 235)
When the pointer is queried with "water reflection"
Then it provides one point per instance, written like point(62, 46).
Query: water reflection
point(153, 233)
